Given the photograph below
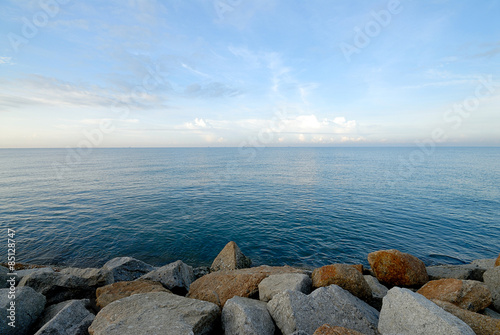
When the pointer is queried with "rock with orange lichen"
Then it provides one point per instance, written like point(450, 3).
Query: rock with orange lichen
point(345, 276)
point(480, 324)
point(497, 262)
point(335, 330)
point(395, 268)
point(109, 293)
point(467, 294)
point(218, 287)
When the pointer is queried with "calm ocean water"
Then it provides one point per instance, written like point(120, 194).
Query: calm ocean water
point(296, 206)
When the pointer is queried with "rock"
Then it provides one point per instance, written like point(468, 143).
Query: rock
point(466, 272)
point(275, 284)
point(378, 291)
point(334, 330)
point(294, 311)
point(358, 267)
point(201, 271)
point(127, 268)
point(23, 273)
point(497, 262)
point(246, 316)
point(92, 276)
point(394, 268)
point(480, 324)
point(344, 276)
point(491, 313)
point(487, 263)
point(155, 313)
point(72, 319)
point(177, 277)
point(109, 293)
point(28, 305)
point(467, 294)
point(3, 277)
point(406, 312)
point(230, 258)
point(52, 310)
point(57, 286)
point(492, 280)
point(218, 287)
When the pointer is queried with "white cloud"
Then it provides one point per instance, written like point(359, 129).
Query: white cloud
point(5, 60)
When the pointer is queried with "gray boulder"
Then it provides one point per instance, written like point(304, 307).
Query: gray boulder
point(92, 276)
point(23, 273)
point(201, 271)
point(177, 277)
point(275, 284)
point(491, 313)
point(486, 263)
point(492, 280)
point(378, 291)
point(58, 287)
point(466, 272)
point(68, 318)
point(407, 313)
point(294, 311)
point(246, 316)
point(3, 276)
point(28, 305)
point(155, 313)
point(127, 268)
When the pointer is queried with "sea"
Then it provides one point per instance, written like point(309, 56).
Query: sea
point(305, 207)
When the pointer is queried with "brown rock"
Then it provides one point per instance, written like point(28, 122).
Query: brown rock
point(480, 324)
point(395, 268)
point(218, 287)
point(331, 330)
point(467, 294)
point(358, 267)
point(230, 258)
point(497, 262)
point(345, 276)
point(109, 293)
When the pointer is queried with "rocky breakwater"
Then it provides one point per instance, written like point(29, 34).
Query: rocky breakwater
point(397, 295)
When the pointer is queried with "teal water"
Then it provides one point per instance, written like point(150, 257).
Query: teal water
point(296, 206)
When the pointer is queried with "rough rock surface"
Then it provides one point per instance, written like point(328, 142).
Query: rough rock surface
point(467, 294)
point(334, 330)
point(491, 313)
point(230, 258)
point(93, 277)
point(23, 273)
point(492, 280)
point(294, 311)
point(497, 262)
point(72, 319)
point(344, 276)
point(109, 293)
point(155, 313)
point(3, 276)
point(218, 287)
point(201, 271)
point(396, 268)
point(406, 312)
point(358, 267)
point(127, 268)
point(378, 291)
point(466, 272)
point(480, 324)
point(246, 316)
point(176, 276)
point(485, 263)
point(275, 284)
point(57, 286)
point(29, 305)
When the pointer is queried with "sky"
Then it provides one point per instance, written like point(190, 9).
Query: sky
point(235, 73)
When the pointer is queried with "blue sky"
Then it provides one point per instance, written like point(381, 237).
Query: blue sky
point(239, 72)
